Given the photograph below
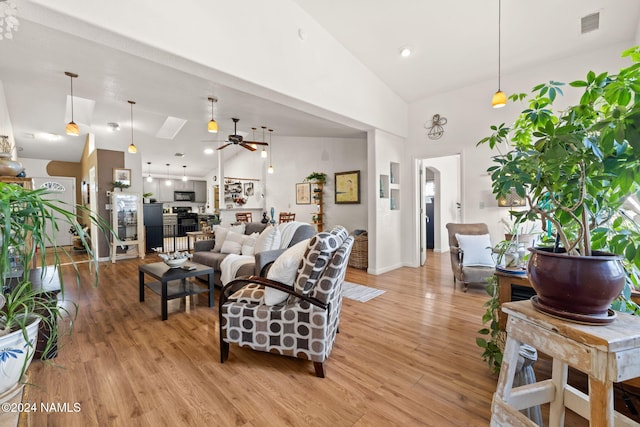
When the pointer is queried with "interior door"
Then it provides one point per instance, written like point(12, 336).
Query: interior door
point(62, 189)
point(423, 217)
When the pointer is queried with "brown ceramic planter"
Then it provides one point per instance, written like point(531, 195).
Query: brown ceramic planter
point(574, 287)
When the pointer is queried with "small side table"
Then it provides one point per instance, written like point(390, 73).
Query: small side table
point(172, 283)
point(607, 353)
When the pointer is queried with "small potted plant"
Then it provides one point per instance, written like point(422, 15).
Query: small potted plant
point(119, 185)
point(317, 177)
point(576, 167)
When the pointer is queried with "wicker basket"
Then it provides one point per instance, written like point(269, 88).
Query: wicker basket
point(359, 257)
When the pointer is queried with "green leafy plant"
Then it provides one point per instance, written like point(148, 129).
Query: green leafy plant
point(577, 166)
point(119, 184)
point(493, 339)
point(29, 223)
point(317, 177)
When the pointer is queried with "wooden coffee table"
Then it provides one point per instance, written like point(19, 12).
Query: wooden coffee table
point(172, 282)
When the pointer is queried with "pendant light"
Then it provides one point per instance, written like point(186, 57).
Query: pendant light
point(213, 125)
point(149, 178)
point(499, 99)
point(270, 168)
point(263, 153)
point(167, 182)
point(184, 173)
point(72, 128)
point(132, 148)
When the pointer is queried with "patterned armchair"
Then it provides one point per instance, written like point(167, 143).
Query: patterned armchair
point(305, 324)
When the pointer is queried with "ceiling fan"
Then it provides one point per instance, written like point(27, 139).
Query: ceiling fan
point(236, 139)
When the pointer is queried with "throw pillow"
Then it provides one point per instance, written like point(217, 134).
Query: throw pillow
point(284, 270)
point(249, 244)
point(269, 239)
point(476, 250)
point(233, 243)
point(220, 235)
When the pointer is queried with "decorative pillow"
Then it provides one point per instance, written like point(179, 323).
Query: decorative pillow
point(477, 250)
point(249, 244)
point(220, 234)
point(317, 257)
point(238, 228)
point(269, 239)
point(284, 270)
point(233, 243)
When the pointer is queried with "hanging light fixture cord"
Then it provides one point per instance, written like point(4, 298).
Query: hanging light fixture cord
point(499, 41)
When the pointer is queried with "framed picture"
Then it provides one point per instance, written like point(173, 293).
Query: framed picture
point(122, 175)
point(303, 193)
point(347, 187)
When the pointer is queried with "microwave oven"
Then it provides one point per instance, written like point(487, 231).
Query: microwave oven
point(184, 196)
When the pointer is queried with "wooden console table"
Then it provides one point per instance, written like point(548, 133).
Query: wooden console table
point(606, 353)
point(505, 284)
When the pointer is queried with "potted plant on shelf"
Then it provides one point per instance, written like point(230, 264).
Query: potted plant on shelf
point(576, 167)
point(25, 218)
point(119, 185)
point(317, 177)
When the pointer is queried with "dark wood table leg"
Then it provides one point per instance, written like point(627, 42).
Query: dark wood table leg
point(141, 283)
point(163, 301)
point(211, 289)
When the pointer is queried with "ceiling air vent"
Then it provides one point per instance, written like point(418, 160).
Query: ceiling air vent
point(590, 23)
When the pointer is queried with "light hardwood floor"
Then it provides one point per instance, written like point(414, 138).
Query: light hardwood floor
point(407, 357)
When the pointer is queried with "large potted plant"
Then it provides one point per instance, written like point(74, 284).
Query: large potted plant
point(576, 167)
point(25, 217)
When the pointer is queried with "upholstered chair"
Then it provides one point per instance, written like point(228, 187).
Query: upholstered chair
point(471, 253)
point(304, 322)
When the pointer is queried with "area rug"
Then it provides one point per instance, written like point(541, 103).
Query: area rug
point(359, 292)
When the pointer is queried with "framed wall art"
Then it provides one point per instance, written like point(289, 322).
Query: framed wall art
point(347, 187)
point(122, 176)
point(303, 193)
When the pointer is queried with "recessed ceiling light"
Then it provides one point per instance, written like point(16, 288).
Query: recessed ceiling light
point(405, 52)
point(208, 151)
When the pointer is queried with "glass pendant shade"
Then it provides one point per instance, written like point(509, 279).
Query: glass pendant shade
point(499, 99)
point(132, 148)
point(149, 179)
point(263, 154)
point(72, 129)
point(270, 169)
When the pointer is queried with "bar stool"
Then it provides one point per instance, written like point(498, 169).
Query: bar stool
point(607, 353)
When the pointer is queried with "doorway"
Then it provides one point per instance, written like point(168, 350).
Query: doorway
point(440, 198)
point(62, 189)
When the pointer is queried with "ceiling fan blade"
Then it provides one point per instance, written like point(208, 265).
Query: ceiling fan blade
point(256, 142)
point(248, 146)
point(225, 145)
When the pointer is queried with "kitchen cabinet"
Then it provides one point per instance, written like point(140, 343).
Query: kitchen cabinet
point(200, 187)
point(151, 187)
point(180, 185)
point(165, 191)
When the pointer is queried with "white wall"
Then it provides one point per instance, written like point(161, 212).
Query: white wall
point(469, 114)
point(315, 74)
point(386, 243)
point(294, 159)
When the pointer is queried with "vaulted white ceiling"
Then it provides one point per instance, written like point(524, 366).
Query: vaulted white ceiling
point(454, 44)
